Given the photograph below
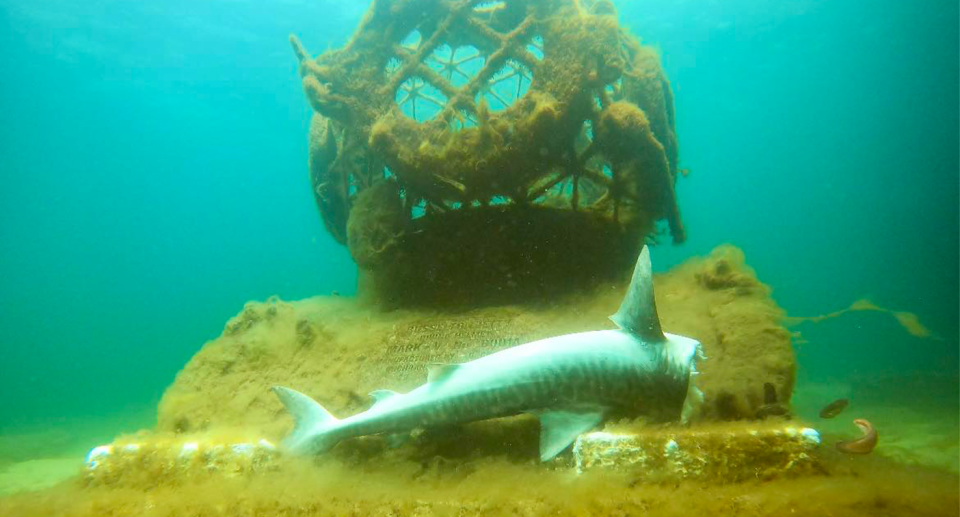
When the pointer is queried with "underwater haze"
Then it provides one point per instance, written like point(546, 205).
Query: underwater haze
point(154, 166)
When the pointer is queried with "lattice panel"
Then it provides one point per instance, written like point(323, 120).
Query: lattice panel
point(471, 105)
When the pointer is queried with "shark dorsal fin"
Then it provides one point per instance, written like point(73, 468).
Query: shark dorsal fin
point(379, 396)
point(558, 429)
point(438, 372)
point(638, 311)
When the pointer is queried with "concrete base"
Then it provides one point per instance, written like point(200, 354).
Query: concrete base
point(168, 462)
point(717, 454)
point(727, 453)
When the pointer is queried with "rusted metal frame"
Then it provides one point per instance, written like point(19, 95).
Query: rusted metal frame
point(462, 98)
point(414, 59)
point(615, 195)
point(535, 191)
point(499, 56)
point(574, 171)
point(299, 50)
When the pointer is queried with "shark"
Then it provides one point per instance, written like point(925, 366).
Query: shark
point(569, 382)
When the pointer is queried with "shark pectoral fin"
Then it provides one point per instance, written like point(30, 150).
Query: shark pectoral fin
point(379, 396)
point(558, 429)
point(438, 372)
point(638, 311)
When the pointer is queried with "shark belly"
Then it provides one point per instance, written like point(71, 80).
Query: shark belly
point(424, 410)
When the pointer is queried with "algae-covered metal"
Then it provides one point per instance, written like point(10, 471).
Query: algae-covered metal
point(465, 106)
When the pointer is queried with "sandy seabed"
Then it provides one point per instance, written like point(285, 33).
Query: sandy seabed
point(912, 472)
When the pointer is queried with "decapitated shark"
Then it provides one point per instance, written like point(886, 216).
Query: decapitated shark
point(569, 382)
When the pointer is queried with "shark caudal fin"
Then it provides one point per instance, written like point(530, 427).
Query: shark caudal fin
point(314, 426)
point(638, 311)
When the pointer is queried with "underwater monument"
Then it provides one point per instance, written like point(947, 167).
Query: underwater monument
point(453, 144)
point(495, 169)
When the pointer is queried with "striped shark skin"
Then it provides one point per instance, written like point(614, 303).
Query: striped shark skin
point(570, 382)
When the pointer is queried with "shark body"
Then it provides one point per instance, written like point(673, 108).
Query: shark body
point(569, 382)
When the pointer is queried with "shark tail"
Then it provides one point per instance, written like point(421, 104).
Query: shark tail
point(313, 432)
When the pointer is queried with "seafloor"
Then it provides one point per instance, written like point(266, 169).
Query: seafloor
point(913, 471)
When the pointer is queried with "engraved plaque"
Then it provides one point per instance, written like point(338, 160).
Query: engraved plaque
point(411, 347)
